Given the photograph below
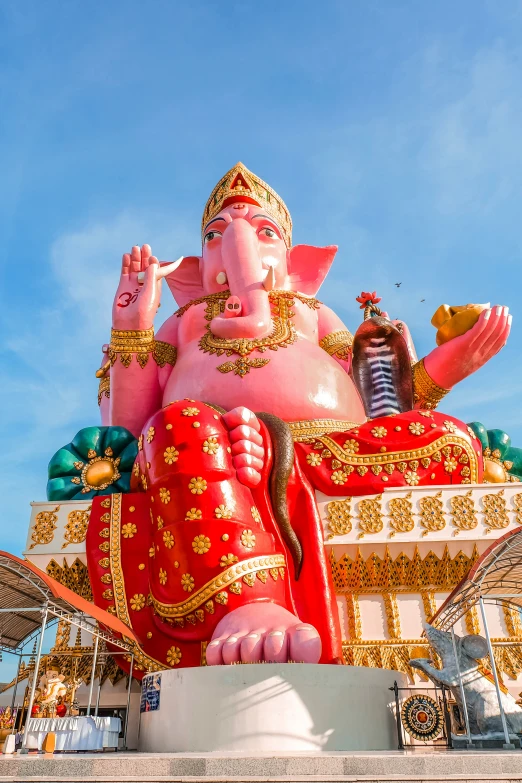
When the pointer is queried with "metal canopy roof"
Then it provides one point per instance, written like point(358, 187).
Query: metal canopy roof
point(496, 577)
point(25, 591)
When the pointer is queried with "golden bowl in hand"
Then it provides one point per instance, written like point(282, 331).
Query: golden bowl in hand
point(451, 322)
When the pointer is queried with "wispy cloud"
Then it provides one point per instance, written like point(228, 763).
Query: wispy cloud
point(473, 154)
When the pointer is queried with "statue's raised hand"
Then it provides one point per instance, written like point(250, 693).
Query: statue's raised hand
point(455, 360)
point(139, 291)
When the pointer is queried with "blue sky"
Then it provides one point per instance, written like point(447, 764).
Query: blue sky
point(390, 128)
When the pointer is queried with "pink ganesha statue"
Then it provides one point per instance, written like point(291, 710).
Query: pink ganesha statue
point(252, 396)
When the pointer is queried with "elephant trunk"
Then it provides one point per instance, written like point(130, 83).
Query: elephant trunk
point(249, 315)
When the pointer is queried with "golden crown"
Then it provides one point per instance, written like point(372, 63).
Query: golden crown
point(239, 184)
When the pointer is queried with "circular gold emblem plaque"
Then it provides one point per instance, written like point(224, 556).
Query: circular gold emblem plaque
point(422, 717)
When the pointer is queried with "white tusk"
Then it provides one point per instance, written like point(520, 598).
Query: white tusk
point(269, 281)
point(164, 270)
point(167, 269)
point(221, 278)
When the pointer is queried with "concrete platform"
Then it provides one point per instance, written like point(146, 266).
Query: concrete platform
point(415, 767)
point(274, 708)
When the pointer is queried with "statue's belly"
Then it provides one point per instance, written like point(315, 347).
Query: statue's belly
point(298, 382)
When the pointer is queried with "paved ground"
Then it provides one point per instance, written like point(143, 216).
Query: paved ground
point(414, 767)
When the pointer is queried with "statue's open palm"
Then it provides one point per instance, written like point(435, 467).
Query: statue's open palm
point(450, 363)
point(139, 291)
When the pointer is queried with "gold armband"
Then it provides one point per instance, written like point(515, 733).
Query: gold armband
point(425, 390)
point(164, 353)
point(338, 344)
point(126, 342)
point(104, 388)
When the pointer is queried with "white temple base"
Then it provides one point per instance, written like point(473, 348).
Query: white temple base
point(272, 707)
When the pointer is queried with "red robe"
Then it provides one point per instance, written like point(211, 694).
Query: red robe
point(191, 543)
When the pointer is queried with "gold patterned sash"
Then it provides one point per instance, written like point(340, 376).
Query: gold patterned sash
point(310, 429)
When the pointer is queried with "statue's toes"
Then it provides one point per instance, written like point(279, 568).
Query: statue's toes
point(276, 646)
point(250, 477)
point(305, 644)
point(247, 461)
point(231, 650)
point(214, 652)
point(252, 647)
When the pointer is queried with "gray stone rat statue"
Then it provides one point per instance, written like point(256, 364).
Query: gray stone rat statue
point(480, 692)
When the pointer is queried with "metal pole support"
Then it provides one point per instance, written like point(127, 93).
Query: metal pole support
point(98, 697)
point(33, 686)
point(13, 701)
point(508, 745)
point(91, 685)
point(128, 704)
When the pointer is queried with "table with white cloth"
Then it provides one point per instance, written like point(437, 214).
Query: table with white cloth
point(111, 728)
point(74, 733)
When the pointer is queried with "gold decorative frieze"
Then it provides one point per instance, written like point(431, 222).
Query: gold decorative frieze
point(417, 512)
point(353, 614)
point(463, 512)
point(339, 517)
point(370, 516)
point(55, 527)
point(432, 514)
point(512, 620)
point(495, 514)
point(44, 527)
point(74, 576)
point(472, 620)
point(76, 528)
point(429, 604)
point(391, 609)
point(401, 515)
point(401, 573)
point(517, 502)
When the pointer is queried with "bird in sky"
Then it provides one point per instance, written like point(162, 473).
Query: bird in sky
point(398, 285)
point(423, 300)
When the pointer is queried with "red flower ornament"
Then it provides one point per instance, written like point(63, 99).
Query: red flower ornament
point(367, 298)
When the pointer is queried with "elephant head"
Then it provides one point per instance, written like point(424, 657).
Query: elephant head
point(245, 251)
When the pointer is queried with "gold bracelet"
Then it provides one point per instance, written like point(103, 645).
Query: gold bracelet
point(425, 390)
point(125, 342)
point(338, 344)
point(104, 388)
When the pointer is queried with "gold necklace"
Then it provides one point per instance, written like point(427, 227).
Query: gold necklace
point(283, 333)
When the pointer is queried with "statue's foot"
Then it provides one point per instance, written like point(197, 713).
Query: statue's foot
point(263, 632)
point(247, 445)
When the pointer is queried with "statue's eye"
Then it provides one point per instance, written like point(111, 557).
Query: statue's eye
point(268, 232)
point(212, 235)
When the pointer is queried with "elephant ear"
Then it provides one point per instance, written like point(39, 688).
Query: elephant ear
point(308, 267)
point(185, 282)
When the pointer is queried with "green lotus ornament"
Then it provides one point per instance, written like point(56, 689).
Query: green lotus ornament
point(98, 461)
point(502, 461)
